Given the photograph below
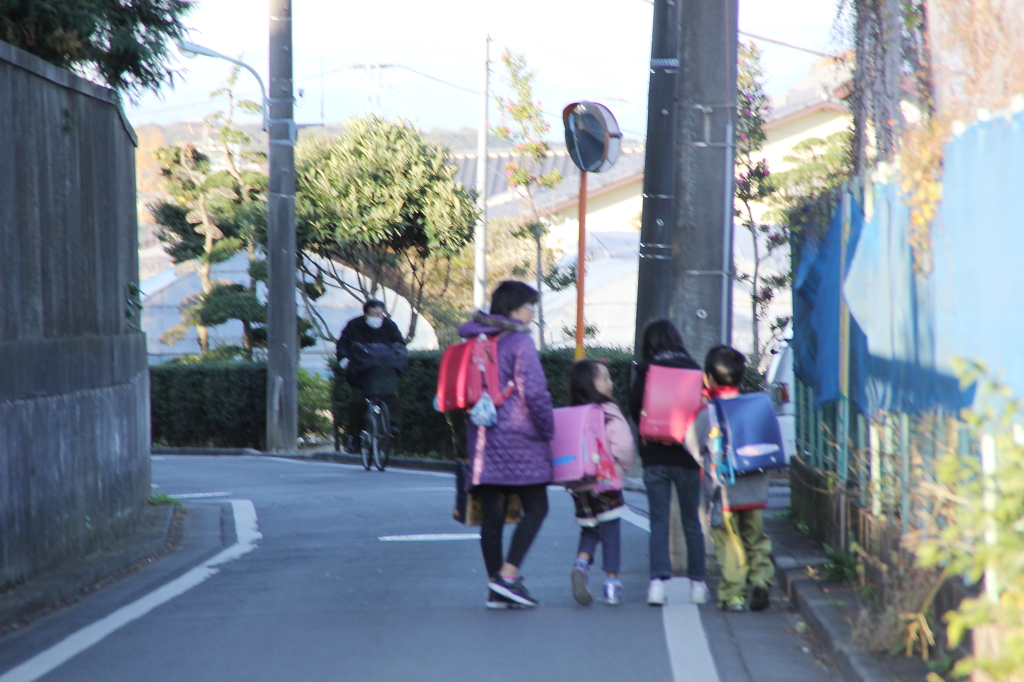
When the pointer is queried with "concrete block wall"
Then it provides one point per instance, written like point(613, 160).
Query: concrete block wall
point(74, 385)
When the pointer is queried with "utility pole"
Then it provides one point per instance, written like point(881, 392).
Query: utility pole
point(702, 270)
point(282, 329)
point(654, 278)
point(480, 232)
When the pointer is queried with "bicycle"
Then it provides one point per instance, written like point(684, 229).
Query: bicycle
point(375, 440)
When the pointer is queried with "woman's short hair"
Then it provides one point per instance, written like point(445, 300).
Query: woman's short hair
point(511, 295)
point(659, 336)
point(373, 303)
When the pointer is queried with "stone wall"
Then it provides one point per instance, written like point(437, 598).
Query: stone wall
point(74, 386)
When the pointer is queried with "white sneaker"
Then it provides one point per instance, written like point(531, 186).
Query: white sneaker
point(698, 592)
point(656, 592)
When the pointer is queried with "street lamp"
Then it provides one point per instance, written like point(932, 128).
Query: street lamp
point(191, 51)
point(282, 333)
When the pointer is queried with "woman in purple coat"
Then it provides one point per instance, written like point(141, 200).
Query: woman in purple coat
point(512, 456)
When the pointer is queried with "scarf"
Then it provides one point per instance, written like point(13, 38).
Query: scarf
point(719, 392)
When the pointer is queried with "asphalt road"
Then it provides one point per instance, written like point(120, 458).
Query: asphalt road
point(283, 575)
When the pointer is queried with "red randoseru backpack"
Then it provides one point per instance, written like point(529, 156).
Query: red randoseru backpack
point(467, 371)
point(672, 399)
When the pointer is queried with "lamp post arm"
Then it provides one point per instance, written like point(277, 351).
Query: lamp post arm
point(185, 47)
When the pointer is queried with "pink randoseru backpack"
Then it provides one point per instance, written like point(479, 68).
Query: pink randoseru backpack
point(672, 398)
point(578, 444)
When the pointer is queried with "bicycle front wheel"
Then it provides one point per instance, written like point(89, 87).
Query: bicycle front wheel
point(382, 436)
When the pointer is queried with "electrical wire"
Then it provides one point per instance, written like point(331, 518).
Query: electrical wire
point(778, 42)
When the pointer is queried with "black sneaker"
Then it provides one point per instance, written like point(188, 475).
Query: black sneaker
point(759, 600)
point(513, 590)
point(498, 602)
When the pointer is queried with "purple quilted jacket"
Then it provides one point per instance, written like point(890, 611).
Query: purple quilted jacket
point(515, 451)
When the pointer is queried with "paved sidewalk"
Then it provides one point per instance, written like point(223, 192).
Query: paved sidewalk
point(808, 607)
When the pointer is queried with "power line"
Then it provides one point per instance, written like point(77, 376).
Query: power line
point(792, 47)
point(777, 42)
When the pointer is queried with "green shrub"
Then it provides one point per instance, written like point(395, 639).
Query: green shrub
point(223, 403)
point(314, 407)
point(209, 404)
point(205, 403)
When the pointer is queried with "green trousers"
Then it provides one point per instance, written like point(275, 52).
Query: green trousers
point(743, 552)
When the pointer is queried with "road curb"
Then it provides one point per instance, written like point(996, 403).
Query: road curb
point(829, 627)
point(219, 452)
point(66, 583)
point(323, 456)
point(445, 465)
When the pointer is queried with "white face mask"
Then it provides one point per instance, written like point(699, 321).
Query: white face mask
point(375, 322)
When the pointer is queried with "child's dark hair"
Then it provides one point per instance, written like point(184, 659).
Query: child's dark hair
point(660, 335)
point(581, 384)
point(725, 365)
point(510, 295)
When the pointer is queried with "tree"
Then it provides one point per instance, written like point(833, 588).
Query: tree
point(381, 200)
point(212, 216)
point(191, 225)
point(250, 215)
point(754, 186)
point(817, 168)
point(522, 123)
point(124, 43)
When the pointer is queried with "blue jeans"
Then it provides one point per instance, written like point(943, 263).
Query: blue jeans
point(659, 479)
point(609, 535)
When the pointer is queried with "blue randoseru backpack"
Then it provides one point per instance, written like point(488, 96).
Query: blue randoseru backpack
point(751, 437)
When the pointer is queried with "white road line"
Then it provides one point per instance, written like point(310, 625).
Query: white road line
point(315, 474)
point(247, 535)
point(198, 496)
point(156, 458)
point(641, 522)
point(425, 537)
point(688, 649)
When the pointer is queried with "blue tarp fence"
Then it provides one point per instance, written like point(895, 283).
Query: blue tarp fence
point(907, 329)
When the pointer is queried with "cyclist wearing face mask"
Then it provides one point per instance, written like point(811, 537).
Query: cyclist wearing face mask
point(368, 343)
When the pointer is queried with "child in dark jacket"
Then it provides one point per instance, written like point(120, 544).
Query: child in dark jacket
point(668, 466)
point(599, 507)
point(736, 510)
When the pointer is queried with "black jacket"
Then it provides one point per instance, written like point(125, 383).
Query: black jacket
point(357, 331)
point(659, 453)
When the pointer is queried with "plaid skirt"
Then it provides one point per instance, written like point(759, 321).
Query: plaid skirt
point(593, 508)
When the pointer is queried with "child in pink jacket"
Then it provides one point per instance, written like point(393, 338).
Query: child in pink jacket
point(599, 506)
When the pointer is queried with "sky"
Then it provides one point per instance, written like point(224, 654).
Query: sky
point(595, 50)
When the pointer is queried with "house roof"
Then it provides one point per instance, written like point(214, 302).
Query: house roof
point(504, 202)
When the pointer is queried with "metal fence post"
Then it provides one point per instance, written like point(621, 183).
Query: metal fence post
point(876, 469)
point(904, 471)
point(842, 422)
point(862, 451)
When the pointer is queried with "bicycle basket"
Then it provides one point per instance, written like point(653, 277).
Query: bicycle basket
point(380, 381)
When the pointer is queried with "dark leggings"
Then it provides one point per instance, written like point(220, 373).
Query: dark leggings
point(494, 499)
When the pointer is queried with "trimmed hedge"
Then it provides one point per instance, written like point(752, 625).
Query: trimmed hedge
point(223, 404)
point(209, 404)
point(426, 432)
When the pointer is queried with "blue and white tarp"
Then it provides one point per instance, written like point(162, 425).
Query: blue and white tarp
point(907, 330)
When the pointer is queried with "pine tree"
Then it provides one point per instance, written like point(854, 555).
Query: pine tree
point(123, 44)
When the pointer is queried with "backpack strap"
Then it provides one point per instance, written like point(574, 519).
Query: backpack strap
point(721, 462)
